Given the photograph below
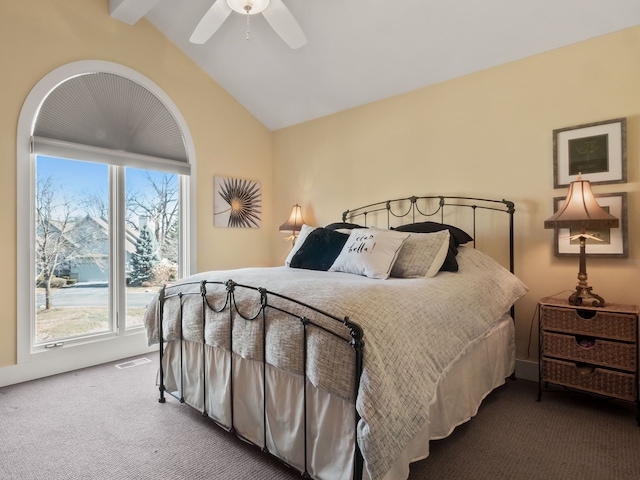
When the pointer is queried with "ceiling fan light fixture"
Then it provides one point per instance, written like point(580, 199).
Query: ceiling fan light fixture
point(248, 7)
point(275, 13)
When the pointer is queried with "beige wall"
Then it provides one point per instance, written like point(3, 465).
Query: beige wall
point(485, 134)
point(38, 36)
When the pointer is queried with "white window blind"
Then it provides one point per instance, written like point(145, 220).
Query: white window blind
point(104, 117)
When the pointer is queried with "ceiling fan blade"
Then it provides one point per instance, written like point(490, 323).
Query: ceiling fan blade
point(285, 24)
point(211, 22)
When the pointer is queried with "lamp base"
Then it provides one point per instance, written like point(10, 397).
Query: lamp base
point(584, 296)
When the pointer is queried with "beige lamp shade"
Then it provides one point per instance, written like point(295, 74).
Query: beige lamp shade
point(581, 210)
point(294, 222)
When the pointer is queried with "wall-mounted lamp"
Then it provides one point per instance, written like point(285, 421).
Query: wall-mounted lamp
point(581, 210)
point(293, 223)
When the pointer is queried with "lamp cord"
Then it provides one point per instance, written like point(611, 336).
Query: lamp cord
point(536, 312)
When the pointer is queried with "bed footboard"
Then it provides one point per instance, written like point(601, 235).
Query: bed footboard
point(221, 329)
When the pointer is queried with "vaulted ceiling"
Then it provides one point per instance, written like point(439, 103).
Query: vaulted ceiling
point(359, 51)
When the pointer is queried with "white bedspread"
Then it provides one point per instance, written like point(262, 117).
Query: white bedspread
point(414, 330)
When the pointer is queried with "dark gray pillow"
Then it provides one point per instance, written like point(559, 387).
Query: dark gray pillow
point(319, 250)
point(460, 236)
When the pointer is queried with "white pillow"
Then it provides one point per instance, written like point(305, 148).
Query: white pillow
point(422, 255)
point(369, 252)
point(305, 230)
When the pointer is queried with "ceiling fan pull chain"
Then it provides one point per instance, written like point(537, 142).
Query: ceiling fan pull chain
point(247, 8)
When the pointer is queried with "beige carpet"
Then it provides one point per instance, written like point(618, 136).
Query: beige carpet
point(106, 423)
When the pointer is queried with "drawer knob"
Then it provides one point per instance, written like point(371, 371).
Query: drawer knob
point(586, 342)
point(585, 370)
point(586, 314)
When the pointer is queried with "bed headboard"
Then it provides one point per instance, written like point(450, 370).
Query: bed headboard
point(434, 208)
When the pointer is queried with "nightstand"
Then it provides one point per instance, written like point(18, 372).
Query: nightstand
point(592, 349)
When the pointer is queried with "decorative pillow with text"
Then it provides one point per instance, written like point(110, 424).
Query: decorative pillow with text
point(370, 252)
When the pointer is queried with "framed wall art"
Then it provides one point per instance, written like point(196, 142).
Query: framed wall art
point(237, 203)
point(614, 241)
point(598, 151)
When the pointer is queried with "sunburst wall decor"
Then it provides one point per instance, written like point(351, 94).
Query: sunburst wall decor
point(237, 203)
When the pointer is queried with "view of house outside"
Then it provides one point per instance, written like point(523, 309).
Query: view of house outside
point(72, 245)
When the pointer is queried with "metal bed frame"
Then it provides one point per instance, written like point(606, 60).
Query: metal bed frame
point(354, 339)
point(351, 333)
point(442, 203)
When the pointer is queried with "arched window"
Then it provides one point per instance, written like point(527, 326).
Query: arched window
point(105, 181)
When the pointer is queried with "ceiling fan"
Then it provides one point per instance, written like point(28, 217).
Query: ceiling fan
point(274, 11)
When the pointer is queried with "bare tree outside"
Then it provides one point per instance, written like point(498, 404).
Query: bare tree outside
point(96, 204)
point(159, 203)
point(51, 245)
point(63, 236)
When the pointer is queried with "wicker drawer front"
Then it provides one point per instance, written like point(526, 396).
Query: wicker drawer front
point(602, 352)
point(617, 326)
point(596, 380)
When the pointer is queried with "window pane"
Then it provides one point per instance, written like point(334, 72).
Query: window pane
point(152, 224)
point(72, 249)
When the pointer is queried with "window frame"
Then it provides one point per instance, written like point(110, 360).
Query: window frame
point(125, 342)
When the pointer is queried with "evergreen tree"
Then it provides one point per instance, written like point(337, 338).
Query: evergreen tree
point(144, 258)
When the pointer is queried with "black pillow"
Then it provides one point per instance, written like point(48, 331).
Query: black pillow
point(450, 263)
point(460, 236)
point(319, 250)
point(342, 225)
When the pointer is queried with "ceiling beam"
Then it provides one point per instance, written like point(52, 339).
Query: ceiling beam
point(130, 11)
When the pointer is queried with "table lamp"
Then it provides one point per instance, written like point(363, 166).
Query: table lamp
point(580, 210)
point(294, 223)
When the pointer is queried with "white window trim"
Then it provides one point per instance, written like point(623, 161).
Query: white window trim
point(130, 344)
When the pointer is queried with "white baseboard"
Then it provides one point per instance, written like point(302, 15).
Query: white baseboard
point(65, 359)
point(527, 370)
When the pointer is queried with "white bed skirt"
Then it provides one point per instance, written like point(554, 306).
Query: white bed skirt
point(331, 420)
point(481, 368)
